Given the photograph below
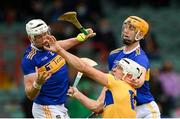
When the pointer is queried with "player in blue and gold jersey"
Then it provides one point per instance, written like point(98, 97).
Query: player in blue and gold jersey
point(45, 73)
point(133, 30)
point(121, 93)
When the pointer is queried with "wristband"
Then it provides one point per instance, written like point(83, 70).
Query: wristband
point(36, 85)
point(81, 37)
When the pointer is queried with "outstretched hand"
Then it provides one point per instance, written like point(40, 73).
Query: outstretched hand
point(51, 43)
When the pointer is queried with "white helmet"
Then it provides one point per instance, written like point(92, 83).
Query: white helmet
point(130, 67)
point(36, 27)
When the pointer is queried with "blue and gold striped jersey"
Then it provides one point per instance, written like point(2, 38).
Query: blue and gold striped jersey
point(54, 90)
point(119, 99)
point(138, 55)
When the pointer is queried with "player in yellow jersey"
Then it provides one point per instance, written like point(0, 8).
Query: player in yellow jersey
point(122, 94)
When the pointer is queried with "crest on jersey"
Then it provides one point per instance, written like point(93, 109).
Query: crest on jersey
point(138, 51)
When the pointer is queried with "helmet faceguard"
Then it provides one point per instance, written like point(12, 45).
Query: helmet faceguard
point(36, 27)
point(130, 67)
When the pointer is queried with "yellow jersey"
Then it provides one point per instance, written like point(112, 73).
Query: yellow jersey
point(122, 99)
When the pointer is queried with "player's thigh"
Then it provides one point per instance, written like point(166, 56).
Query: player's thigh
point(59, 111)
point(49, 111)
point(149, 110)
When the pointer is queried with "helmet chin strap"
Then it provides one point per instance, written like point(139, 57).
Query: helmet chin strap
point(125, 73)
point(32, 39)
point(33, 43)
point(138, 36)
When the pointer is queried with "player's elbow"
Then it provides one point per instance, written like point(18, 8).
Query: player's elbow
point(138, 86)
point(29, 97)
point(84, 68)
point(97, 107)
point(140, 83)
point(97, 111)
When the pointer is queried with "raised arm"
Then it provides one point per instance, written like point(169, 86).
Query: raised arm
point(71, 42)
point(77, 63)
point(68, 43)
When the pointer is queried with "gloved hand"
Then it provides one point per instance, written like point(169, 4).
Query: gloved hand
point(82, 37)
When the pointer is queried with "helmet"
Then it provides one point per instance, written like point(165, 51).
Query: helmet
point(36, 27)
point(130, 67)
point(139, 23)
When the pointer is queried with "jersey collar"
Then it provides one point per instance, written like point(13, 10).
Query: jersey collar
point(35, 47)
point(130, 50)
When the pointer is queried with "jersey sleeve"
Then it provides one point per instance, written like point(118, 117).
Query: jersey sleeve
point(110, 62)
point(27, 66)
point(112, 56)
point(111, 59)
point(111, 81)
point(143, 61)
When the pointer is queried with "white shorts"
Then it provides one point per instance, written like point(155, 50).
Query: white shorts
point(49, 111)
point(148, 110)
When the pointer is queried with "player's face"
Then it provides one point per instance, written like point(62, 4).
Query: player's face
point(128, 33)
point(39, 41)
point(117, 72)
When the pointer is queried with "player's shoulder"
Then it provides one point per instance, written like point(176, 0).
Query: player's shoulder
point(30, 53)
point(140, 52)
point(116, 50)
point(141, 58)
point(28, 62)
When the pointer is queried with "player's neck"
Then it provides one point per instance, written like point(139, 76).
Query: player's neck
point(33, 46)
point(131, 47)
